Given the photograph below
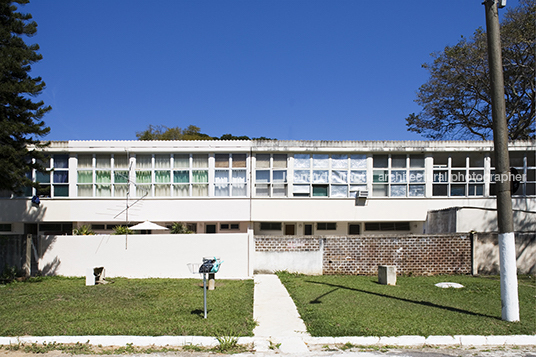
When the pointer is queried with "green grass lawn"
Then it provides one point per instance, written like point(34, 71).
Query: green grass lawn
point(359, 306)
point(152, 307)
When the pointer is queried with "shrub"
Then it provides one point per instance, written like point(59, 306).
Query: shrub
point(180, 228)
point(84, 230)
point(119, 230)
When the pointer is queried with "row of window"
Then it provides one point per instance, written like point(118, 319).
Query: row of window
point(280, 175)
point(353, 228)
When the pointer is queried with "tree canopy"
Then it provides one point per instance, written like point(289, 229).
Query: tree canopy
point(192, 132)
point(21, 123)
point(456, 99)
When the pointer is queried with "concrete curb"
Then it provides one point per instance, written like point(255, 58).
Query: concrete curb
point(206, 341)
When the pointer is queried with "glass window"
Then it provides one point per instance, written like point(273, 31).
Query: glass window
point(457, 190)
point(239, 160)
point(199, 176)
point(102, 190)
point(103, 176)
point(320, 176)
point(143, 177)
point(42, 177)
point(441, 160)
point(398, 190)
point(181, 176)
point(320, 190)
point(358, 176)
point(380, 176)
point(416, 161)
point(61, 161)
point(302, 161)
point(262, 176)
point(200, 160)
point(85, 190)
point(103, 161)
point(85, 176)
point(61, 191)
point(120, 190)
point(398, 176)
point(320, 161)
point(280, 161)
point(162, 176)
point(476, 159)
point(222, 160)
point(120, 161)
point(61, 176)
point(416, 176)
point(85, 161)
point(358, 161)
point(302, 176)
point(458, 160)
point(380, 190)
point(398, 161)
point(379, 161)
point(280, 176)
point(416, 190)
point(181, 161)
point(162, 161)
point(238, 180)
point(262, 161)
point(339, 191)
point(339, 161)
point(143, 161)
point(339, 176)
point(120, 176)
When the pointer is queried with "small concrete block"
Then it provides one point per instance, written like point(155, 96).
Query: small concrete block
point(321, 340)
point(403, 341)
point(521, 340)
point(262, 345)
point(496, 340)
point(90, 277)
point(387, 274)
point(293, 345)
point(363, 340)
point(443, 341)
point(471, 340)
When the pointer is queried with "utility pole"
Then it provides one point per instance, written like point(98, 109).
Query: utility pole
point(507, 250)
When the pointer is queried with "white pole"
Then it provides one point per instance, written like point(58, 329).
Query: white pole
point(509, 293)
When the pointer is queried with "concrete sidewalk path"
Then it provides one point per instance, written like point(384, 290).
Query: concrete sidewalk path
point(278, 320)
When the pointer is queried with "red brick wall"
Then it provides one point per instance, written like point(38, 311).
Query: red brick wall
point(361, 255)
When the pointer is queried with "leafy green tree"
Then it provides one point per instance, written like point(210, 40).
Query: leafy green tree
point(192, 132)
point(232, 137)
point(160, 132)
point(456, 100)
point(21, 123)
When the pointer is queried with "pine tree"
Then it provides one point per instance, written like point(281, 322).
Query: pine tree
point(21, 123)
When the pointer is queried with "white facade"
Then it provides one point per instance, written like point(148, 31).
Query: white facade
point(270, 187)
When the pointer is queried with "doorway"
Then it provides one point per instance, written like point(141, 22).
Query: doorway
point(290, 229)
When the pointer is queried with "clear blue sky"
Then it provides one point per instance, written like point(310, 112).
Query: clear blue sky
point(285, 69)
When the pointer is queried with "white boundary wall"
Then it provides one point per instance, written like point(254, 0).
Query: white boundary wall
point(144, 256)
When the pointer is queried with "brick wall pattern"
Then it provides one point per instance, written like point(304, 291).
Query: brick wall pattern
point(361, 255)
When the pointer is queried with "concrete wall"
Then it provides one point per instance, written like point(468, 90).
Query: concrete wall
point(479, 219)
point(143, 256)
point(486, 258)
point(295, 255)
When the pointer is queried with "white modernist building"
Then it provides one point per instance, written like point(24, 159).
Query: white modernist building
point(273, 187)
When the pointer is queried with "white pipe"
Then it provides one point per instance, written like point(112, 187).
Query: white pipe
point(509, 295)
